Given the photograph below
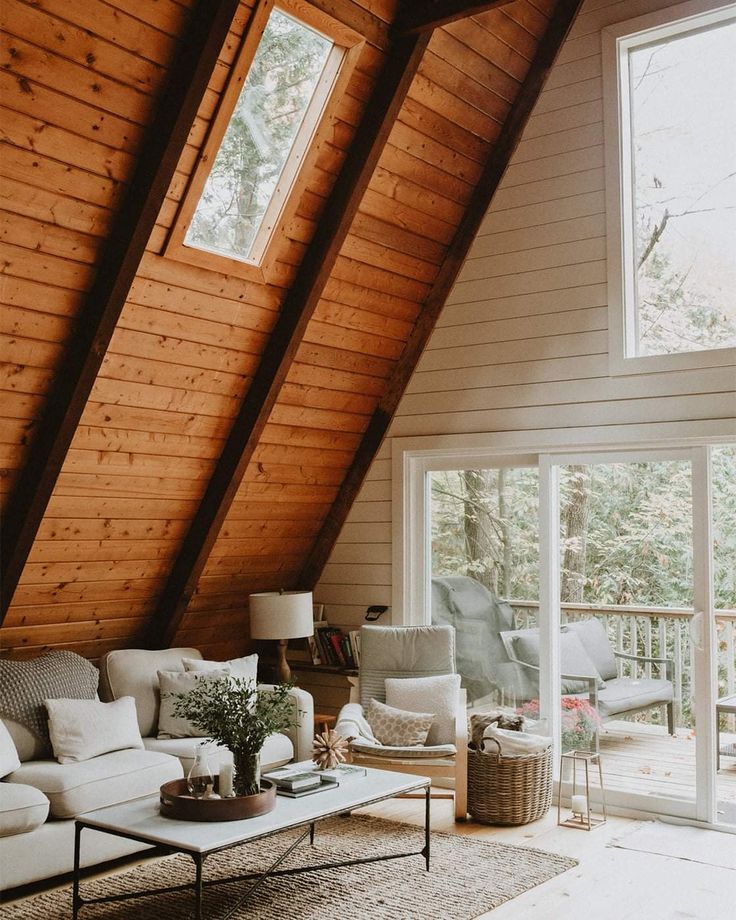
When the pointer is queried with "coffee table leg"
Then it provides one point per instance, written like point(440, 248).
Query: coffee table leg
point(198, 886)
point(426, 827)
point(311, 834)
point(76, 900)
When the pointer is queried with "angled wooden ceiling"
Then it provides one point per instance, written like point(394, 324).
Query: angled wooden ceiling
point(175, 437)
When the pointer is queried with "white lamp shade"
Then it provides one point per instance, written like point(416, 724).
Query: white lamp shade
point(286, 615)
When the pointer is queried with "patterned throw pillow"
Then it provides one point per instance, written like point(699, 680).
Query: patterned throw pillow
point(396, 727)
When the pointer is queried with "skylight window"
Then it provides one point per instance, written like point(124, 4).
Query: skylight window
point(676, 208)
point(273, 120)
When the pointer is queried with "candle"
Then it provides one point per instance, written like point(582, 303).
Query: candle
point(227, 772)
point(580, 805)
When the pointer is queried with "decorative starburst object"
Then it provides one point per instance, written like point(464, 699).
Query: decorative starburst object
point(329, 750)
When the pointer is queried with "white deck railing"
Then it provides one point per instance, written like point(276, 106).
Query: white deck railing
point(659, 632)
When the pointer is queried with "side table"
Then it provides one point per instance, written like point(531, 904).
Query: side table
point(324, 722)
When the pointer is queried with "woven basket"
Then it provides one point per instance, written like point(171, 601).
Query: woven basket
point(509, 790)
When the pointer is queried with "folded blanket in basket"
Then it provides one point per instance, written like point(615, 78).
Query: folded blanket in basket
point(512, 744)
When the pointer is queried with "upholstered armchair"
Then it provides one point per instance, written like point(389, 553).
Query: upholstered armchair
point(389, 652)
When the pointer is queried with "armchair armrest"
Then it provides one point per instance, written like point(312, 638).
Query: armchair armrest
point(669, 663)
point(301, 733)
point(583, 678)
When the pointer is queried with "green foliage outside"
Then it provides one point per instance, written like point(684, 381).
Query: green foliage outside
point(271, 107)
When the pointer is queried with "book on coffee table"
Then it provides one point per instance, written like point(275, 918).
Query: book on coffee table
point(342, 773)
point(294, 781)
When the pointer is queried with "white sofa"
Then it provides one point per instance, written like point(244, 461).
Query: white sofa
point(40, 797)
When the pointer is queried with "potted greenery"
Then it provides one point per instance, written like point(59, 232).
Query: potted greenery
point(238, 715)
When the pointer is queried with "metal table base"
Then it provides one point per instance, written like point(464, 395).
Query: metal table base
point(257, 878)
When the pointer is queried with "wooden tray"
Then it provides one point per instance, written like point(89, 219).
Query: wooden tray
point(177, 803)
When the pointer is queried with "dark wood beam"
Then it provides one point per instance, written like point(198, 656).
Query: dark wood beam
point(493, 172)
point(402, 61)
point(117, 266)
point(420, 17)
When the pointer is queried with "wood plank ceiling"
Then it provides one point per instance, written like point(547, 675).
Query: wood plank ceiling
point(314, 361)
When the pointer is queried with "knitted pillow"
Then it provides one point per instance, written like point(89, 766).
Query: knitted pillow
point(396, 727)
point(26, 684)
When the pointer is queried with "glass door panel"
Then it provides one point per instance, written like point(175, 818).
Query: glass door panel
point(723, 491)
point(627, 629)
point(485, 572)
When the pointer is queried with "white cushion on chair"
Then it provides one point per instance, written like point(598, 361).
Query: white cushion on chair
point(438, 695)
point(418, 752)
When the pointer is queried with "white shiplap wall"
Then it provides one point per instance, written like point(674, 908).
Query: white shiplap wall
point(520, 352)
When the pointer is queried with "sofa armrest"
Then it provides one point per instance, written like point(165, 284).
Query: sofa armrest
point(301, 733)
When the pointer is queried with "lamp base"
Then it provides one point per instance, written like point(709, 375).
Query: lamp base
point(283, 666)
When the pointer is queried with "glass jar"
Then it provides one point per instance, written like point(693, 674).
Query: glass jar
point(200, 773)
point(247, 780)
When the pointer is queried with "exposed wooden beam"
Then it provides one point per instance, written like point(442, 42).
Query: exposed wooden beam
point(402, 61)
point(420, 17)
point(493, 172)
point(188, 78)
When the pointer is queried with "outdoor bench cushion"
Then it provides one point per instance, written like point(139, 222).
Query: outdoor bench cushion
point(625, 693)
point(22, 809)
point(75, 788)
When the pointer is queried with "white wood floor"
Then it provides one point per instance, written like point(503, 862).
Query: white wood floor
point(608, 884)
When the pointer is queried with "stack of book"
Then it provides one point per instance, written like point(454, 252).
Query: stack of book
point(295, 783)
point(331, 646)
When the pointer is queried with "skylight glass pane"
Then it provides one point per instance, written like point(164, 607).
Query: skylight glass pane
point(683, 120)
point(259, 138)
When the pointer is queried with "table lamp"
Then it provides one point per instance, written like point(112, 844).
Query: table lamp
point(281, 615)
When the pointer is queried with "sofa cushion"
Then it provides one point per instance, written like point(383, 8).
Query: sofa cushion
point(592, 633)
point(245, 668)
point(438, 695)
point(74, 788)
point(134, 672)
point(277, 750)
point(82, 729)
point(26, 684)
point(9, 759)
point(173, 683)
point(396, 752)
point(22, 808)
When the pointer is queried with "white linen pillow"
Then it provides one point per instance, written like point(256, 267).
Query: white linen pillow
point(83, 729)
point(9, 759)
point(428, 694)
point(172, 682)
point(246, 667)
point(398, 727)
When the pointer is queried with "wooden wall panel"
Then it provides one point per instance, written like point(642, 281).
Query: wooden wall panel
point(389, 253)
point(79, 82)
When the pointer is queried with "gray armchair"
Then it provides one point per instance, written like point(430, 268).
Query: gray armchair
point(612, 696)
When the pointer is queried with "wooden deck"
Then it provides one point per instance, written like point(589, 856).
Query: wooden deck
point(643, 758)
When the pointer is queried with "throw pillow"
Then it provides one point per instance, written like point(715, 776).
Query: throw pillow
point(25, 684)
point(396, 727)
point(246, 667)
point(171, 683)
point(592, 633)
point(83, 729)
point(438, 694)
point(9, 759)
point(573, 659)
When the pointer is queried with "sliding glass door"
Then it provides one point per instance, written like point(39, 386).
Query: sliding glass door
point(621, 563)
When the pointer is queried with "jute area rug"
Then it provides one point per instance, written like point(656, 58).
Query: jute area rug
point(467, 878)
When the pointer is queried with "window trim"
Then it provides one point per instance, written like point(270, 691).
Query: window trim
point(310, 139)
point(616, 41)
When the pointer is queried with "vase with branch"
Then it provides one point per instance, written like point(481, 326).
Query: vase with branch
point(237, 714)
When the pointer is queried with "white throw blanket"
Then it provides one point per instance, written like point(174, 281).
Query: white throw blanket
point(512, 744)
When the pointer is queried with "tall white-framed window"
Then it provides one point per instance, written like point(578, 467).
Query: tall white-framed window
point(670, 117)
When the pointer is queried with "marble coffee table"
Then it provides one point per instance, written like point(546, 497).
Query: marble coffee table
point(141, 820)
